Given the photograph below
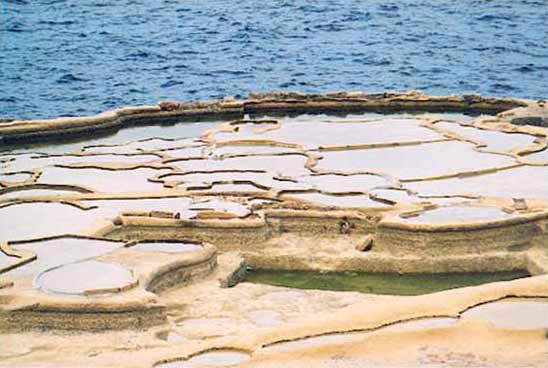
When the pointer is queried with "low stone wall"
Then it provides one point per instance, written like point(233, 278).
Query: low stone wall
point(182, 273)
point(385, 102)
point(237, 238)
point(375, 262)
point(235, 275)
point(226, 235)
point(133, 311)
point(283, 102)
point(397, 246)
point(399, 238)
point(86, 321)
point(322, 223)
point(128, 116)
point(246, 234)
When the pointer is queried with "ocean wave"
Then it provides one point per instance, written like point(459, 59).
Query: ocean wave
point(84, 57)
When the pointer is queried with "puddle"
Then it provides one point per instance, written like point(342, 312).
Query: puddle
point(166, 247)
point(6, 260)
point(493, 140)
point(520, 182)
point(512, 313)
point(218, 358)
point(348, 201)
point(220, 205)
point(313, 134)
point(15, 178)
point(112, 207)
point(419, 324)
point(37, 193)
point(344, 337)
point(26, 220)
point(107, 181)
point(186, 152)
point(122, 136)
point(287, 165)
point(230, 188)
point(363, 116)
point(171, 337)
point(265, 318)
point(458, 214)
point(248, 150)
point(78, 278)
point(344, 183)
point(376, 283)
point(149, 145)
point(411, 162)
point(307, 342)
point(103, 159)
point(538, 157)
point(453, 200)
point(33, 161)
point(57, 252)
point(190, 179)
point(200, 328)
point(264, 180)
point(455, 116)
point(26, 162)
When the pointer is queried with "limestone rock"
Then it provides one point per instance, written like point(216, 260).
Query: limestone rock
point(5, 120)
point(532, 115)
point(164, 214)
point(366, 245)
point(168, 105)
point(234, 277)
point(520, 204)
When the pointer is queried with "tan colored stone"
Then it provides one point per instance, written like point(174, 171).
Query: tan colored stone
point(366, 245)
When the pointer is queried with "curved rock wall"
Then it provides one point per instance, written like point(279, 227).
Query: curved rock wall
point(282, 102)
point(402, 239)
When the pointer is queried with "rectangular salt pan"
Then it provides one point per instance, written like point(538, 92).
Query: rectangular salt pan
point(521, 182)
point(315, 133)
point(417, 161)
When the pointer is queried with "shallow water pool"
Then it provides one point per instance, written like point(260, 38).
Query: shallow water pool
point(392, 284)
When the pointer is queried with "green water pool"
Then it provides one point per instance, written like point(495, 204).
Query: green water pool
point(377, 283)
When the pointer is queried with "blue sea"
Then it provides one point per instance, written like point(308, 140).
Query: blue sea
point(69, 58)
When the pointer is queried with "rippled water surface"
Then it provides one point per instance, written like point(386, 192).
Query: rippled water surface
point(83, 57)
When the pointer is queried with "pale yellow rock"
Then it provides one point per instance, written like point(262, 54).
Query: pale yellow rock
point(366, 245)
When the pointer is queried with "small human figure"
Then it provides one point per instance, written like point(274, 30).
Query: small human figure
point(345, 226)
